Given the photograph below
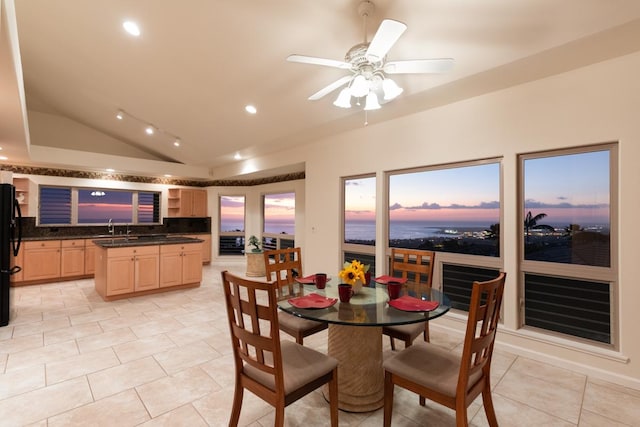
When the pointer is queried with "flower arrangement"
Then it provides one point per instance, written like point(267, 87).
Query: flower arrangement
point(353, 271)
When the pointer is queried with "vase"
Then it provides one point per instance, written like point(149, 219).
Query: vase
point(357, 286)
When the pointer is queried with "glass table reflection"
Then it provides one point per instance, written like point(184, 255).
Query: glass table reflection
point(355, 335)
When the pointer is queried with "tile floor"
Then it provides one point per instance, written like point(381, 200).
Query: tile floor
point(68, 358)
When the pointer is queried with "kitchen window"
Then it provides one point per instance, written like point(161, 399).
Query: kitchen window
point(95, 206)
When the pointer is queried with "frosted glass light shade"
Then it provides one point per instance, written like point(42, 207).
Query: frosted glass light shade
point(344, 99)
point(360, 86)
point(390, 89)
point(372, 102)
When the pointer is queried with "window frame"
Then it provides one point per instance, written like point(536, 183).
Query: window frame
point(289, 239)
point(573, 271)
point(75, 206)
point(235, 234)
point(348, 250)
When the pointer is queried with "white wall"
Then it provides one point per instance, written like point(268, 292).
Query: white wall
point(591, 105)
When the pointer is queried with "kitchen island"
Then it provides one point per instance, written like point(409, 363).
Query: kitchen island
point(132, 266)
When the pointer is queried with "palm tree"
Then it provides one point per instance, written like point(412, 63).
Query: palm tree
point(531, 222)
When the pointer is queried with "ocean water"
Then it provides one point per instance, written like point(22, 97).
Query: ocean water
point(362, 230)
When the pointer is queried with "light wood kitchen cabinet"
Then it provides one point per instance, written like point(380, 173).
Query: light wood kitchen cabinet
point(180, 264)
point(206, 246)
point(89, 256)
point(126, 270)
point(25, 189)
point(184, 202)
point(72, 258)
point(41, 260)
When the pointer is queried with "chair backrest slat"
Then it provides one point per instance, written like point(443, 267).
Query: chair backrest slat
point(253, 324)
point(482, 323)
point(414, 265)
point(284, 264)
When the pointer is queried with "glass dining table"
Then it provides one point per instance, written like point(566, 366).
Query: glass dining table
point(355, 334)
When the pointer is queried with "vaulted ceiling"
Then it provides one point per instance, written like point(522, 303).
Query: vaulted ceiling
point(197, 63)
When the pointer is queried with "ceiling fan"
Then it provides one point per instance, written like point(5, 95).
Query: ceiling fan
point(369, 67)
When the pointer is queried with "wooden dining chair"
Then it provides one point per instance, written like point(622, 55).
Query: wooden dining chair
point(285, 265)
point(278, 372)
point(417, 267)
point(450, 379)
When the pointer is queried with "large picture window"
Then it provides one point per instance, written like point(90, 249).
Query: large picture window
point(232, 216)
point(359, 220)
point(91, 206)
point(279, 215)
point(452, 209)
point(568, 234)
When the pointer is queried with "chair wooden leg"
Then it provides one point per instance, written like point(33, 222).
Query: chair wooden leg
point(237, 405)
point(393, 344)
point(423, 401)
point(388, 398)
point(461, 414)
point(489, 411)
point(299, 338)
point(279, 421)
point(333, 398)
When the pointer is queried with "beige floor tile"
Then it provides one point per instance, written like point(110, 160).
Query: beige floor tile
point(189, 334)
point(169, 393)
point(183, 416)
point(105, 339)
point(143, 347)
point(215, 408)
point(612, 403)
point(71, 333)
point(187, 356)
point(67, 311)
point(3, 362)
point(95, 315)
point(163, 313)
point(40, 327)
point(512, 413)
point(15, 345)
point(82, 364)
point(45, 402)
point(122, 377)
point(41, 355)
point(155, 327)
point(135, 307)
point(120, 322)
point(551, 374)
point(221, 370)
point(589, 419)
point(131, 412)
point(21, 381)
point(554, 399)
point(200, 316)
point(18, 318)
point(6, 333)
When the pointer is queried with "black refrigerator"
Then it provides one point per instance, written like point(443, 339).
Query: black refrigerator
point(10, 236)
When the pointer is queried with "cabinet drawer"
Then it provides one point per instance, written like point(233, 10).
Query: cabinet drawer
point(41, 244)
point(131, 251)
point(74, 243)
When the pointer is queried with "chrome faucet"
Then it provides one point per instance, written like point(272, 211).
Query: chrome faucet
point(111, 228)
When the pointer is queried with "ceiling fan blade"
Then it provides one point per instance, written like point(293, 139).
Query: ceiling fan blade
point(330, 88)
point(319, 61)
point(387, 35)
point(415, 66)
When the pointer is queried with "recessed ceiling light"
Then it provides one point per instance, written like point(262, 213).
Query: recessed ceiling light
point(110, 170)
point(131, 28)
point(177, 142)
point(149, 130)
point(4, 158)
point(120, 115)
point(251, 109)
point(237, 156)
point(0, 148)
point(166, 175)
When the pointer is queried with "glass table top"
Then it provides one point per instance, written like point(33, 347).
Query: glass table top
point(369, 307)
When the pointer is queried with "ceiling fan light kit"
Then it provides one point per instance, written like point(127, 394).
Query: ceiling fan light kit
point(369, 66)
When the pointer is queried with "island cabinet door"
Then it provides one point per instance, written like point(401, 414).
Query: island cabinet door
point(170, 265)
point(192, 263)
point(121, 274)
point(146, 272)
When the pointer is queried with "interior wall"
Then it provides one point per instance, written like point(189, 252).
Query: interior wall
point(591, 105)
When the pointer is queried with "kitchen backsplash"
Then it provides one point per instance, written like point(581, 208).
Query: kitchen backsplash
point(169, 225)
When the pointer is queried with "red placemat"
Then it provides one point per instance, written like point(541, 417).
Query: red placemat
point(386, 279)
point(408, 303)
point(309, 280)
point(312, 301)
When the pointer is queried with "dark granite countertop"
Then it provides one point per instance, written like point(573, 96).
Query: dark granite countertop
point(149, 240)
